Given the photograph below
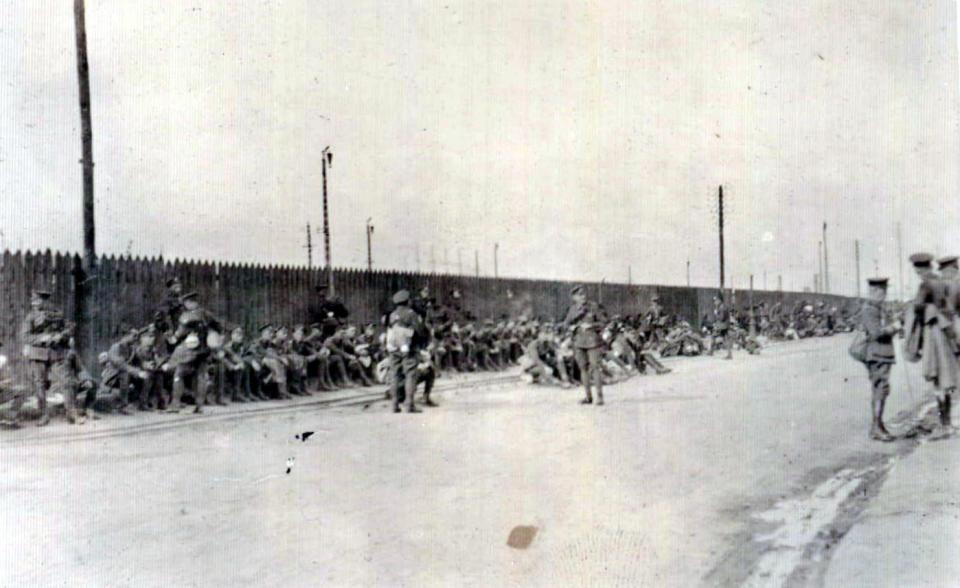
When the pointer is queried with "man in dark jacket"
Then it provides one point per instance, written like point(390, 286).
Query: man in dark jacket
point(329, 313)
point(880, 355)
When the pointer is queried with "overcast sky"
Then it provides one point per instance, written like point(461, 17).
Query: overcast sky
point(584, 137)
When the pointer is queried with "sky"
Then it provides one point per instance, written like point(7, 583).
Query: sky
point(586, 138)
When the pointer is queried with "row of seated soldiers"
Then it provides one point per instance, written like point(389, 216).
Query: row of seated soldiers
point(157, 367)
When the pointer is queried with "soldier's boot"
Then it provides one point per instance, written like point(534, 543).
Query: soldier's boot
point(282, 392)
point(44, 413)
point(411, 392)
point(945, 429)
point(588, 399)
point(174, 405)
point(599, 386)
point(426, 395)
point(365, 379)
point(878, 431)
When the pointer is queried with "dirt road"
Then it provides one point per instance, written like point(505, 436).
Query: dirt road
point(719, 473)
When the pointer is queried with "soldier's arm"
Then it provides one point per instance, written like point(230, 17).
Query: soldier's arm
point(33, 331)
point(119, 361)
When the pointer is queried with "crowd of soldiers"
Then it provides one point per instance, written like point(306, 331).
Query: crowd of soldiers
point(187, 355)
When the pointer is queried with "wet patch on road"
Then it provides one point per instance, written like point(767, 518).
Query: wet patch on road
point(790, 541)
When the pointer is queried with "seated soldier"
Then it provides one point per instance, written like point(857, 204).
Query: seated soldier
point(533, 363)
point(237, 369)
point(118, 371)
point(270, 372)
point(295, 363)
point(148, 390)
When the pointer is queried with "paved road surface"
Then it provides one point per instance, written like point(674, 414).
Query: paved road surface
point(713, 474)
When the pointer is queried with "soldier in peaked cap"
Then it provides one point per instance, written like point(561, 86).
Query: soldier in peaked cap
point(403, 347)
point(329, 313)
point(879, 355)
point(46, 345)
point(587, 319)
point(938, 348)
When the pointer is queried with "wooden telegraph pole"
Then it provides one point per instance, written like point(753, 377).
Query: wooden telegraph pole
point(84, 333)
point(327, 157)
point(721, 240)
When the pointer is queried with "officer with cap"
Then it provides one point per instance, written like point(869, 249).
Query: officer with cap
point(938, 345)
point(587, 319)
point(329, 313)
point(46, 344)
point(879, 355)
point(404, 342)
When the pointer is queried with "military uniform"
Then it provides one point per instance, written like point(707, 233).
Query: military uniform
point(879, 357)
point(189, 359)
point(404, 345)
point(45, 348)
point(329, 314)
point(587, 319)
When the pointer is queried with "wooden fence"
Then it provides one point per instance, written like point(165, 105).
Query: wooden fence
point(128, 290)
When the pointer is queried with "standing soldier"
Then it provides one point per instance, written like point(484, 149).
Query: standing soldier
point(404, 346)
point(937, 347)
point(46, 343)
point(189, 360)
point(587, 318)
point(328, 313)
point(879, 355)
point(950, 286)
point(721, 326)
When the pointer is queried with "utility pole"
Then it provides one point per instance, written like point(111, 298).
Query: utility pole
point(819, 265)
point(309, 248)
point(369, 245)
point(899, 261)
point(826, 262)
point(82, 305)
point(721, 239)
point(496, 267)
point(327, 157)
point(856, 256)
point(476, 262)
